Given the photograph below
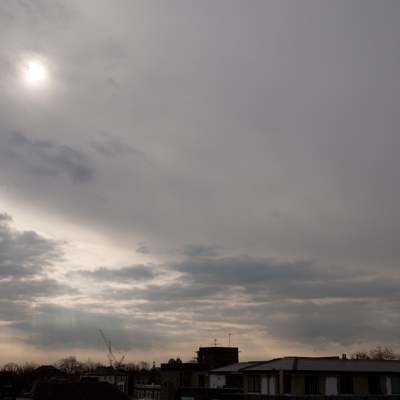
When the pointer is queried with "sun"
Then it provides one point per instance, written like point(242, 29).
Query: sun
point(35, 73)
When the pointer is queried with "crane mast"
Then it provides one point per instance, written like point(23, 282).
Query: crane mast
point(110, 355)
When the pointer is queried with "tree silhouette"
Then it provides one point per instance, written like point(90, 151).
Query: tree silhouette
point(376, 353)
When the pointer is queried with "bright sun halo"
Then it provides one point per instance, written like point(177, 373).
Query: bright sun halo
point(35, 73)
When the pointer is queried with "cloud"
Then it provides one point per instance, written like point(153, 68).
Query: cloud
point(298, 301)
point(47, 158)
point(114, 147)
point(35, 289)
point(192, 250)
point(26, 261)
point(62, 327)
point(25, 253)
point(134, 273)
point(5, 217)
point(269, 279)
point(147, 305)
point(142, 248)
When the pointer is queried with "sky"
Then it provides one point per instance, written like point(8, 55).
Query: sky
point(188, 173)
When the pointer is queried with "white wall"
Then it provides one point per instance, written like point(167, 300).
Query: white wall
point(331, 386)
point(389, 385)
point(217, 381)
point(268, 385)
point(264, 385)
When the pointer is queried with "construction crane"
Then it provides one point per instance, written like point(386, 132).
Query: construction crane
point(110, 355)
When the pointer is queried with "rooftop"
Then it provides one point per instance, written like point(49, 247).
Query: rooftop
point(330, 364)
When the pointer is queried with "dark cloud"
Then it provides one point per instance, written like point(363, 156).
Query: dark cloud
point(178, 295)
point(245, 270)
point(134, 273)
point(34, 289)
point(26, 258)
point(142, 248)
point(113, 147)
point(268, 279)
point(5, 217)
point(47, 158)
point(24, 253)
point(294, 301)
point(192, 250)
point(12, 310)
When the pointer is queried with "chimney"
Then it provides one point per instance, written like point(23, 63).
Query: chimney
point(344, 357)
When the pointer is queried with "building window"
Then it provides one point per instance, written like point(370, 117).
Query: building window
point(287, 384)
point(374, 385)
point(254, 383)
point(395, 384)
point(201, 381)
point(346, 385)
point(311, 384)
point(234, 381)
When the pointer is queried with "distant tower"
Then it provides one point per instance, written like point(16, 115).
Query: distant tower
point(217, 356)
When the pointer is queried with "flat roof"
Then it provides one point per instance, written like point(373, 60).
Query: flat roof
point(329, 364)
point(236, 367)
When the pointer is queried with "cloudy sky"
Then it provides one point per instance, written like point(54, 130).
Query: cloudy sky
point(173, 172)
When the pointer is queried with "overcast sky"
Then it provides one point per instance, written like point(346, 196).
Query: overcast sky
point(173, 172)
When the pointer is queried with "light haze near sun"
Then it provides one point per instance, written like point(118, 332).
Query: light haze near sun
point(35, 72)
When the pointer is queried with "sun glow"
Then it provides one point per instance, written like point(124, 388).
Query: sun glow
point(35, 73)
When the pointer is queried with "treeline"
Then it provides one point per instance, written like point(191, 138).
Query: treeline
point(18, 377)
point(376, 353)
point(70, 366)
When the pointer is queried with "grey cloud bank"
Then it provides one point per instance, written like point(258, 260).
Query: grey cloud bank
point(189, 169)
point(300, 301)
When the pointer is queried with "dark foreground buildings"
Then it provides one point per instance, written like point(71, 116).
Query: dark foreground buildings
point(217, 374)
point(297, 378)
point(70, 390)
point(178, 380)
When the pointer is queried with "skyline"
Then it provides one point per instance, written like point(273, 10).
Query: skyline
point(175, 172)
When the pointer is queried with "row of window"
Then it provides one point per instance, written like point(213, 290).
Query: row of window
point(111, 378)
point(147, 394)
point(311, 384)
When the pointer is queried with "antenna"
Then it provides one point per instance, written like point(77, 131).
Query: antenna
point(229, 338)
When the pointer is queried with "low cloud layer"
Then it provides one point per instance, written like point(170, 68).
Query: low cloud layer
point(147, 306)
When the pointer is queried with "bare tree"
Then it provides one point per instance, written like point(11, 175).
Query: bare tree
point(11, 367)
point(382, 353)
point(376, 353)
point(143, 365)
point(90, 365)
point(28, 367)
point(70, 365)
point(359, 355)
point(131, 367)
